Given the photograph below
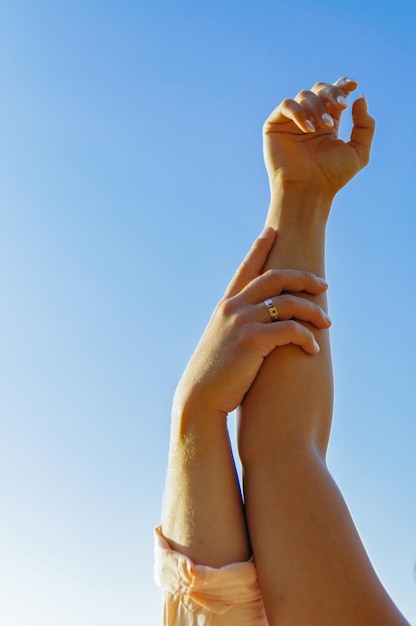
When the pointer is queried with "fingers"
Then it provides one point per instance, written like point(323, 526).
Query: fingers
point(335, 96)
point(284, 333)
point(325, 103)
point(247, 313)
point(291, 307)
point(346, 84)
point(289, 111)
point(253, 263)
point(275, 281)
point(363, 130)
point(315, 108)
point(318, 108)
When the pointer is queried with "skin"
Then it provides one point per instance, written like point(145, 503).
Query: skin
point(311, 564)
point(203, 515)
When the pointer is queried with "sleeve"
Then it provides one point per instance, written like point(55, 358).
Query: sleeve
point(198, 595)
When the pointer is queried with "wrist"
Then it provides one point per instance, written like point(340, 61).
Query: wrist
point(191, 413)
point(303, 202)
point(299, 212)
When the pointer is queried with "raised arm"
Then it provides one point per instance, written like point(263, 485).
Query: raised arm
point(202, 513)
point(312, 566)
point(203, 517)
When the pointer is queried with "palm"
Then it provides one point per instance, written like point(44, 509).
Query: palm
point(319, 159)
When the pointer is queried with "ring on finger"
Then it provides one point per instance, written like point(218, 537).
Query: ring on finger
point(271, 307)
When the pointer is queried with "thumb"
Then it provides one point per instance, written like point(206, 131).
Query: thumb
point(362, 131)
point(254, 262)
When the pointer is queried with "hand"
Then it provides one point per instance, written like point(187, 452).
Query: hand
point(301, 142)
point(241, 334)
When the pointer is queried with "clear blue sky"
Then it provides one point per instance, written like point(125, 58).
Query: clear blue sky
point(131, 185)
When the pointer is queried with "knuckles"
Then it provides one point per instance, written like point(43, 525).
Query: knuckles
point(307, 277)
point(290, 302)
point(241, 330)
point(287, 103)
point(272, 275)
point(226, 308)
point(287, 279)
point(292, 331)
point(230, 312)
point(304, 94)
point(319, 86)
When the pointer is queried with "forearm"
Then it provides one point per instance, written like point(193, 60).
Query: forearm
point(203, 515)
point(299, 213)
point(311, 564)
point(291, 383)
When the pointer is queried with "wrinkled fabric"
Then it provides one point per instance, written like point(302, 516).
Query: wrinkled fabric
point(198, 595)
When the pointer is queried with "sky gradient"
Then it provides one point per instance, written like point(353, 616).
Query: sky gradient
point(132, 184)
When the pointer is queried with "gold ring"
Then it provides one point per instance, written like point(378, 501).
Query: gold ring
point(272, 309)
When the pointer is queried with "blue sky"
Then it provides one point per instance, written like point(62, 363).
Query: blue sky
point(131, 185)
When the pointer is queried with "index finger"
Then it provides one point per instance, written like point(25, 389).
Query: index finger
point(273, 282)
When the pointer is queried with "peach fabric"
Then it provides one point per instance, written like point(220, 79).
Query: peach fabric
point(197, 595)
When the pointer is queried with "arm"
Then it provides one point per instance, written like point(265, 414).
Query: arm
point(203, 515)
point(311, 564)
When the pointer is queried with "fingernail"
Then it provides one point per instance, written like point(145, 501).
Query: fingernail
point(317, 348)
point(328, 319)
point(342, 101)
point(349, 80)
point(365, 101)
point(310, 127)
point(322, 281)
point(265, 233)
point(327, 120)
